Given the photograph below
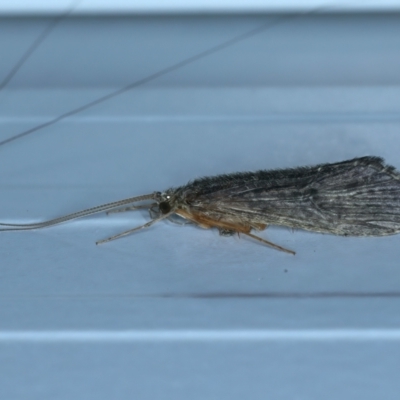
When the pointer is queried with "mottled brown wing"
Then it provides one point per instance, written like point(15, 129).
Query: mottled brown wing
point(359, 197)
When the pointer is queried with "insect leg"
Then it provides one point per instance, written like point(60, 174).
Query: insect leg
point(135, 229)
point(275, 246)
point(226, 232)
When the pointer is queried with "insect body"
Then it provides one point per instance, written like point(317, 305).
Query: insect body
point(359, 197)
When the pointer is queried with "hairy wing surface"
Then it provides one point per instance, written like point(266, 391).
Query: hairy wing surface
point(360, 197)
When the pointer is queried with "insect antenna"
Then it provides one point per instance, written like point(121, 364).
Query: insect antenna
point(37, 42)
point(273, 245)
point(146, 225)
point(160, 73)
point(79, 214)
point(131, 208)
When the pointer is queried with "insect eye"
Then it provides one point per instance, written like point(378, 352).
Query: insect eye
point(164, 207)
